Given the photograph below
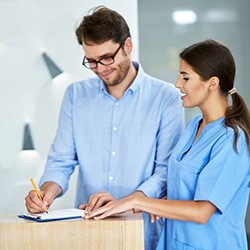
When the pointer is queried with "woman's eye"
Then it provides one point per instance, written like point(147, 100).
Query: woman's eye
point(185, 78)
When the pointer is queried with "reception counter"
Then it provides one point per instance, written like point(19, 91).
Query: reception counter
point(123, 232)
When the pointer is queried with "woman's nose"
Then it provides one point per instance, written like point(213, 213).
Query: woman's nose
point(178, 84)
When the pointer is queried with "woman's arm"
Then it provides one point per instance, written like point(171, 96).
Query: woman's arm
point(195, 211)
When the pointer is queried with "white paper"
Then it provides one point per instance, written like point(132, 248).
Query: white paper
point(57, 214)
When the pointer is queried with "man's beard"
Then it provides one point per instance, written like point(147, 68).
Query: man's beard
point(122, 70)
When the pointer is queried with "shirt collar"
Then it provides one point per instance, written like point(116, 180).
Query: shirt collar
point(138, 79)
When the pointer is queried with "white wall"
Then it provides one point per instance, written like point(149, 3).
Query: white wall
point(161, 38)
point(27, 92)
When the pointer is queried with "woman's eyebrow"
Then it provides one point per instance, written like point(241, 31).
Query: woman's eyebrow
point(183, 72)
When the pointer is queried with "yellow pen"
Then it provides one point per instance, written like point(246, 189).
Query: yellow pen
point(37, 192)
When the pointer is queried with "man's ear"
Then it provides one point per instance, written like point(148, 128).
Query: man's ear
point(128, 45)
point(214, 83)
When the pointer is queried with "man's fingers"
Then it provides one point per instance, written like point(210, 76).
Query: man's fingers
point(33, 204)
point(83, 206)
point(97, 200)
point(111, 208)
point(103, 200)
point(93, 200)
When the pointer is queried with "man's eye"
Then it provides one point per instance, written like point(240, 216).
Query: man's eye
point(106, 59)
point(185, 78)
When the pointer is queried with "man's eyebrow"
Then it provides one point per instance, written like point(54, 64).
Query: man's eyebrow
point(99, 57)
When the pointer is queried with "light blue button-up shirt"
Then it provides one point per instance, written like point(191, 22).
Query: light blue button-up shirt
point(119, 145)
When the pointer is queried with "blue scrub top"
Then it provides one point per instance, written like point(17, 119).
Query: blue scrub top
point(208, 168)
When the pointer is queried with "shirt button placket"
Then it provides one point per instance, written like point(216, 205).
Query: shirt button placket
point(113, 143)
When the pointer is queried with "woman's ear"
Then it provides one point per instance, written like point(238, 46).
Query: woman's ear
point(214, 83)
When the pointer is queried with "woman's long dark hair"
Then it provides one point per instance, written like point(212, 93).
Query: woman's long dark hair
point(211, 58)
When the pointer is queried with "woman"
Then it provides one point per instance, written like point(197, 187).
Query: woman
point(208, 172)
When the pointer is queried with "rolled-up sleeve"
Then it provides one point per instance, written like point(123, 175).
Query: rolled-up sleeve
point(62, 157)
point(170, 129)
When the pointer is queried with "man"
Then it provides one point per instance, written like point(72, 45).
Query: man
point(119, 127)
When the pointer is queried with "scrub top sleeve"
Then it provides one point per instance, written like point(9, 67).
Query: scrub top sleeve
point(225, 172)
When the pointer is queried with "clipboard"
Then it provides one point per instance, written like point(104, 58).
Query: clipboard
point(54, 215)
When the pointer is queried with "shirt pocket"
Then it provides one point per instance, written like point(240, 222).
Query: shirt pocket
point(182, 180)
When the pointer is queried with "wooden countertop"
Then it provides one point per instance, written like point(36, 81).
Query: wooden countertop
point(123, 232)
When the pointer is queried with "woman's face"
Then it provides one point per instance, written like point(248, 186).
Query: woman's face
point(194, 90)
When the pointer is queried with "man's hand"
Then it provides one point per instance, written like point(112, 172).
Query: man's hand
point(49, 191)
point(96, 201)
point(116, 206)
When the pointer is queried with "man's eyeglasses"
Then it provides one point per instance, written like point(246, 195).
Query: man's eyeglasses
point(107, 60)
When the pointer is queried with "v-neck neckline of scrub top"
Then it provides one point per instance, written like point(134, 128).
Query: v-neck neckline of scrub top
point(192, 141)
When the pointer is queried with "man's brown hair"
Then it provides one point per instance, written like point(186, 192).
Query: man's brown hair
point(101, 26)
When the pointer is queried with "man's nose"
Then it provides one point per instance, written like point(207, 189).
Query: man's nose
point(100, 67)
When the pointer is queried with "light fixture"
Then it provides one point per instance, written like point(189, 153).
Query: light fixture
point(27, 138)
point(220, 16)
point(52, 67)
point(183, 17)
point(28, 161)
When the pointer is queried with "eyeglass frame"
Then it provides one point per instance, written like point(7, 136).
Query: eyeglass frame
point(99, 61)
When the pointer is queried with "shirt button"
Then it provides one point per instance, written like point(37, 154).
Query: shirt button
point(111, 178)
point(114, 128)
point(116, 104)
point(113, 153)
